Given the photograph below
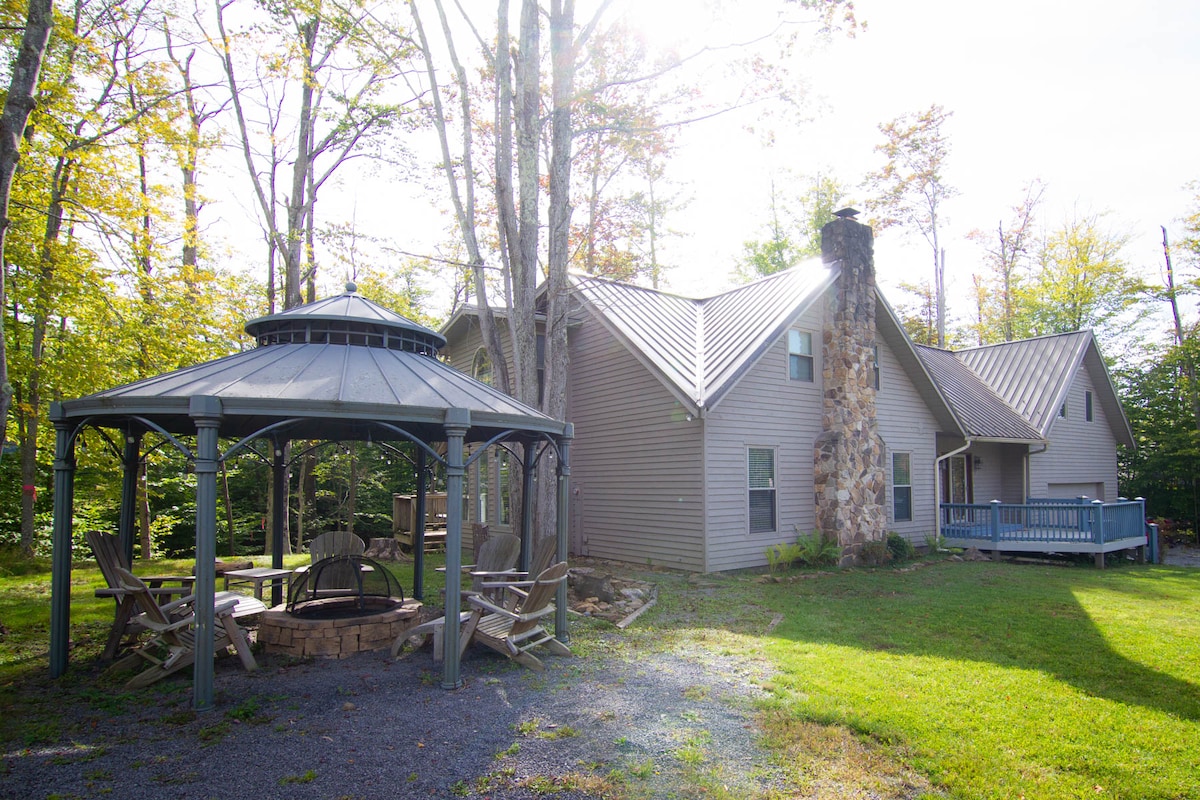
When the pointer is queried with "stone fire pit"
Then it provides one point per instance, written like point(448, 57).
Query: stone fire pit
point(336, 636)
point(340, 606)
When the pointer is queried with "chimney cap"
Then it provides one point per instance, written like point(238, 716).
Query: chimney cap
point(846, 213)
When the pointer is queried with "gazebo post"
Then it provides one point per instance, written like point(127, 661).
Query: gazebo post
point(279, 472)
point(458, 422)
point(132, 456)
point(419, 529)
point(60, 576)
point(562, 517)
point(527, 468)
point(206, 413)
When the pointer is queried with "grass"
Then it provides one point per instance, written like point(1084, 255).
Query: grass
point(989, 680)
point(972, 680)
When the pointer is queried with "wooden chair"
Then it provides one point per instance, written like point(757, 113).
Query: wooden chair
point(330, 544)
point(110, 558)
point(172, 642)
point(516, 631)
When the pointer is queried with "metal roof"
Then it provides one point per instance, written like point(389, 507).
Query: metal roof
point(330, 367)
point(982, 412)
point(1034, 376)
point(702, 347)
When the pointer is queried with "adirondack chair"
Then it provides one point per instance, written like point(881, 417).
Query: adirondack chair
point(171, 645)
point(330, 544)
point(110, 558)
point(516, 631)
point(542, 557)
point(497, 557)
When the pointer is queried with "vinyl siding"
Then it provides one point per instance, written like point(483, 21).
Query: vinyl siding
point(1079, 451)
point(635, 460)
point(764, 409)
point(907, 426)
point(1000, 474)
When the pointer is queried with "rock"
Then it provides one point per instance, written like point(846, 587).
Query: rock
point(586, 584)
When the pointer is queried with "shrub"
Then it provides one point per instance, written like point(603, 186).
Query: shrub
point(875, 553)
point(818, 550)
point(900, 548)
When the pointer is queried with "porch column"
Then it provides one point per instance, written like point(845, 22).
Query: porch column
point(458, 422)
point(206, 413)
point(128, 525)
point(60, 576)
point(563, 517)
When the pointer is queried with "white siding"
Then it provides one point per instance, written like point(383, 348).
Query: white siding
point(635, 460)
point(1079, 451)
point(907, 426)
point(765, 409)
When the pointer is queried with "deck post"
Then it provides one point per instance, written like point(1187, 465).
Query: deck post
point(1098, 530)
point(995, 526)
point(1151, 530)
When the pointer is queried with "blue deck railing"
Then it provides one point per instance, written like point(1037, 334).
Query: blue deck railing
point(1046, 520)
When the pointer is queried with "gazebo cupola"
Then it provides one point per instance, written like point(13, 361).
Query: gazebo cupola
point(345, 319)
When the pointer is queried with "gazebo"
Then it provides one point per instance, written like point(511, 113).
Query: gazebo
point(340, 369)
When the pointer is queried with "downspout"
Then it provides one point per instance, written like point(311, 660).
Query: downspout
point(937, 487)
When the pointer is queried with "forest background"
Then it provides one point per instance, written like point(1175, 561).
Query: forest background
point(505, 145)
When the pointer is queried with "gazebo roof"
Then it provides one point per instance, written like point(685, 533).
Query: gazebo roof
point(329, 367)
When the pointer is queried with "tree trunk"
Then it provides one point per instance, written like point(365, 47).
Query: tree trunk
point(18, 104)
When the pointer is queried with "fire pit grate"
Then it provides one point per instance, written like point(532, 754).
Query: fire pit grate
point(344, 586)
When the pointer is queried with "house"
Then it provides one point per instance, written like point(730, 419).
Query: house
point(707, 430)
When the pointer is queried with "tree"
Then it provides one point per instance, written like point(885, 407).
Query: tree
point(326, 74)
point(911, 190)
point(18, 103)
point(794, 229)
point(1082, 281)
point(1009, 256)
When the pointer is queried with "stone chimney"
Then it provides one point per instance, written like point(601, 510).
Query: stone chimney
point(849, 455)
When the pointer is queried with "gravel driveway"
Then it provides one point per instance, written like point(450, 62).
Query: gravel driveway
point(367, 727)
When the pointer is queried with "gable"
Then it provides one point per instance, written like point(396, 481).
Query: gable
point(1034, 375)
point(700, 348)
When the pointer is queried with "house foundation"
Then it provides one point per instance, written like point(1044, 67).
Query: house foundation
point(849, 454)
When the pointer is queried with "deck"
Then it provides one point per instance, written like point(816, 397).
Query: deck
point(1050, 526)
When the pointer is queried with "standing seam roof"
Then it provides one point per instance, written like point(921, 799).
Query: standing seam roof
point(702, 346)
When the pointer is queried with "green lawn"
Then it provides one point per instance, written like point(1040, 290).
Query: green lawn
point(981, 680)
point(992, 680)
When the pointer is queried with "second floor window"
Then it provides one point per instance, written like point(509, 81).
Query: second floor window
point(800, 356)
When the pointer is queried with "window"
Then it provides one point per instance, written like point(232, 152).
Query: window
point(761, 463)
point(1087, 406)
point(875, 366)
point(800, 356)
point(481, 370)
point(1062, 410)
point(902, 487)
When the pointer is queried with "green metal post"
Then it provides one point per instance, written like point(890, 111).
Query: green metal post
point(60, 576)
point(563, 517)
point(527, 498)
point(458, 421)
point(206, 413)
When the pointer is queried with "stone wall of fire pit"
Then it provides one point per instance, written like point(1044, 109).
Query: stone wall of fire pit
point(338, 637)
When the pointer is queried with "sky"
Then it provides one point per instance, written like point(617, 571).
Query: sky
point(1094, 98)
